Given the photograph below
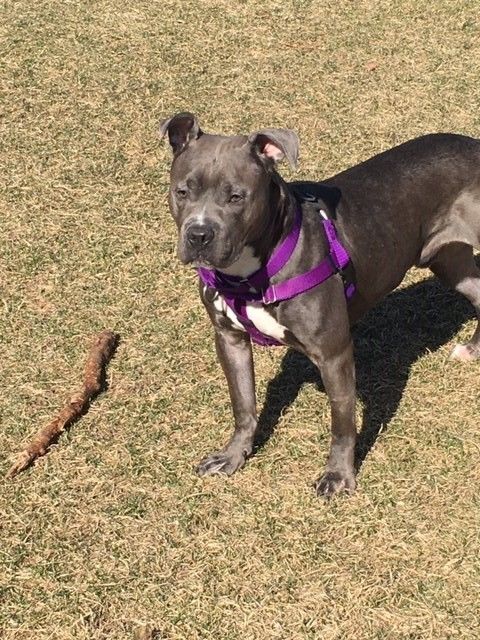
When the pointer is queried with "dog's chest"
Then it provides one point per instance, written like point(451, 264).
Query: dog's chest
point(256, 313)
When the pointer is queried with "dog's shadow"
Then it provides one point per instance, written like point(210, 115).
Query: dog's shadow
point(407, 324)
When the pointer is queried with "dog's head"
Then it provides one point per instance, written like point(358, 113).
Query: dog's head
point(221, 188)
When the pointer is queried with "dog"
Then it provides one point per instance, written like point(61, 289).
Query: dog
point(299, 263)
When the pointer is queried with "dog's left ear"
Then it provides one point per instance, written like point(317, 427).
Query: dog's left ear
point(182, 128)
point(275, 144)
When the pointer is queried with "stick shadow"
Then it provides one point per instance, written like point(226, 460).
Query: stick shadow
point(409, 323)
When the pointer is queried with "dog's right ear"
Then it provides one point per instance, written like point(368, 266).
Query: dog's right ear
point(181, 128)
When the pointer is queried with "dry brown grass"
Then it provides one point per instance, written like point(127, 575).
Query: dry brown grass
point(112, 529)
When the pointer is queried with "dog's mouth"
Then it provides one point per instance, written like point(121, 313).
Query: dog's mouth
point(201, 263)
point(208, 259)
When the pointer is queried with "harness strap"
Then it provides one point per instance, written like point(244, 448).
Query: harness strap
point(257, 288)
point(299, 284)
point(335, 262)
point(280, 256)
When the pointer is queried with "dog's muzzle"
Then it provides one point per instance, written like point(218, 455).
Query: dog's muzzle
point(199, 236)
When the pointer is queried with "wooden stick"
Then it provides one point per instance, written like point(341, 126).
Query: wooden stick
point(100, 353)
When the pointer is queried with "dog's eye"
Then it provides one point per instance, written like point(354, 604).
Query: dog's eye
point(181, 193)
point(235, 197)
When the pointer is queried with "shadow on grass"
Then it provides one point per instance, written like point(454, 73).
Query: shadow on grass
point(406, 325)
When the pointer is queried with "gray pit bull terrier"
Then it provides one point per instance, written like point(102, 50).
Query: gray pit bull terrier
point(416, 204)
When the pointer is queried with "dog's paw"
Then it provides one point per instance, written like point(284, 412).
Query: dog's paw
point(334, 482)
point(465, 352)
point(221, 462)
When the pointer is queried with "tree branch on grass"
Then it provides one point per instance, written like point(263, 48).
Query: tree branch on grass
point(101, 351)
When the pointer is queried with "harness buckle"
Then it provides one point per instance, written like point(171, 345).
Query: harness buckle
point(347, 274)
point(266, 298)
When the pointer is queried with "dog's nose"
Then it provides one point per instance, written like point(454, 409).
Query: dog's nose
point(199, 235)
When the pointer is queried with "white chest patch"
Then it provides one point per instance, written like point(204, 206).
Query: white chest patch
point(247, 264)
point(257, 313)
point(264, 322)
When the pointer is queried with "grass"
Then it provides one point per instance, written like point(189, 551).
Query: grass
point(112, 529)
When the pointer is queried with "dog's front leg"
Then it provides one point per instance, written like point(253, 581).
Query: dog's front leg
point(337, 369)
point(234, 351)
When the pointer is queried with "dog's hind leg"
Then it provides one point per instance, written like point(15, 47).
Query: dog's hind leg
point(455, 265)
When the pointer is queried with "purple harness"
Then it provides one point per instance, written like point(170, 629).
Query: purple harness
point(257, 288)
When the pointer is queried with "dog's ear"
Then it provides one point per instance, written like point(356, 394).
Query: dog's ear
point(181, 128)
point(274, 145)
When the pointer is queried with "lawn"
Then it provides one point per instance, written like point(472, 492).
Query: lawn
point(112, 529)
